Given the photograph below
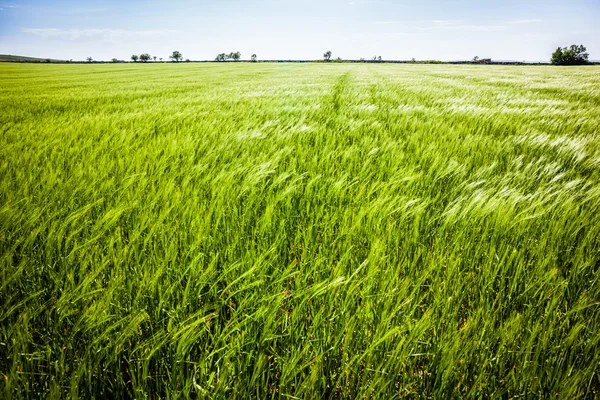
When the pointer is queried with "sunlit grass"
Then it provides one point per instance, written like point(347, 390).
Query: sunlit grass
point(299, 231)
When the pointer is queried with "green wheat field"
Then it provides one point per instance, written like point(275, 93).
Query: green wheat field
point(299, 231)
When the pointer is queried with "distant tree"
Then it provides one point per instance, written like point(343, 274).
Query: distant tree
point(476, 58)
point(115, 60)
point(187, 60)
point(221, 57)
point(253, 58)
point(233, 56)
point(134, 58)
point(374, 58)
point(89, 59)
point(48, 60)
point(145, 57)
point(176, 56)
point(362, 59)
point(154, 57)
point(379, 59)
point(160, 59)
point(574, 55)
point(327, 55)
point(414, 60)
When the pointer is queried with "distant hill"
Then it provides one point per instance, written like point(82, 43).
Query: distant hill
point(12, 58)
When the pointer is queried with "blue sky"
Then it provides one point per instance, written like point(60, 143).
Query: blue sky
point(299, 29)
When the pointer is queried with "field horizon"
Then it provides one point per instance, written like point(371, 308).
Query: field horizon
point(312, 230)
point(11, 58)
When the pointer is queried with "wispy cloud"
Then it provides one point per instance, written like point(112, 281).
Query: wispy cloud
point(383, 34)
point(93, 34)
point(388, 22)
point(460, 26)
point(84, 11)
point(477, 28)
point(446, 25)
point(446, 22)
point(526, 21)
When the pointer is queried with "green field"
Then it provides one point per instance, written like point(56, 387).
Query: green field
point(299, 231)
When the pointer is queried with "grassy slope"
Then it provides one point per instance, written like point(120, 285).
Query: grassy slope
point(12, 58)
point(308, 230)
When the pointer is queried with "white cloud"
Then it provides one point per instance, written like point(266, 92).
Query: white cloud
point(526, 21)
point(478, 28)
point(93, 34)
point(446, 25)
point(380, 35)
point(446, 22)
point(458, 25)
point(83, 11)
point(387, 22)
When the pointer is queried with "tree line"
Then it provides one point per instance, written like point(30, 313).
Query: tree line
point(145, 57)
point(573, 55)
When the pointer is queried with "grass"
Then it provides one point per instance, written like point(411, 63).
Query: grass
point(299, 231)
